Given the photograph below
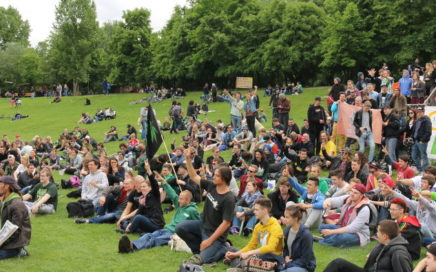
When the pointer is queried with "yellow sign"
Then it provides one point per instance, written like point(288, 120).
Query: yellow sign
point(244, 82)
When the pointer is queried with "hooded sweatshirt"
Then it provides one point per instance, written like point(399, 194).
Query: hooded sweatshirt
point(269, 237)
point(188, 212)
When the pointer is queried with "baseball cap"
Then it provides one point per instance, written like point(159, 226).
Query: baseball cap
point(9, 180)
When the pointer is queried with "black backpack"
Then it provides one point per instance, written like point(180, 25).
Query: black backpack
point(81, 208)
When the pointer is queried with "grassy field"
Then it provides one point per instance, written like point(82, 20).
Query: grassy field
point(60, 245)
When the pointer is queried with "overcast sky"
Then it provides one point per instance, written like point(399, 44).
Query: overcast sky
point(41, 13)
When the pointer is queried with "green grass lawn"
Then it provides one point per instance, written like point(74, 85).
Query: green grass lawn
point(60, 245)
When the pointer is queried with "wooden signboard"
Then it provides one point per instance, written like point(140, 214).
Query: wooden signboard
point(244, 82)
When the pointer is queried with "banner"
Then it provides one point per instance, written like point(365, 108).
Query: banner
point(346, 118)
point(244, 82)
point(430, 111)
point(154, 137)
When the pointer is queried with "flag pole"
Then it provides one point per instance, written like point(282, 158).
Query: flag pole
point(171, 161)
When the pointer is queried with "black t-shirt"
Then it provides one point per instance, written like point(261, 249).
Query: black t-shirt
point(134, 199)
point(218, 207)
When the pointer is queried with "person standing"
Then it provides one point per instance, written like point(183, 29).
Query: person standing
point(143, 113)
point(250, 112)
point(418, 89)
point(406, 85)
point(236, 109)
point(391, 127)
point(13, 210)
point(273, 103)
point(339, 140)
point(206, 90)
point(317, 120)
point(363, 125)
point(421, 135)
point(284, 106)
point(214, 90)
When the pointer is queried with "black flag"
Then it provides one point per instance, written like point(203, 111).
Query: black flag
point(154, 138)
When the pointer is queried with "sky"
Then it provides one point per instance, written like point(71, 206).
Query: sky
point(41, 13)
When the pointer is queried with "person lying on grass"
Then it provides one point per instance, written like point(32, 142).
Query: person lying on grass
point(44, 195)
point(185, 210)
point(266, 241)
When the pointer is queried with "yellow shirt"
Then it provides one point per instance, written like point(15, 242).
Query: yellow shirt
point(269, 237)
point(330, 147)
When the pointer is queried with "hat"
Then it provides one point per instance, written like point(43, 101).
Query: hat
point(318, 98)
point(9, 180)
point(419, 108)
point(244, 128)
point(432, 249)
point(375, 165)
point(360, 187)
point(389, 182)
point(396, 86)
point(400, 202)
point(384, 84)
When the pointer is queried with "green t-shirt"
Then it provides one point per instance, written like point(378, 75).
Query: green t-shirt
point(39, 191)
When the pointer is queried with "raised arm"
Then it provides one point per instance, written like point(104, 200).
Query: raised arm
point(191, 171)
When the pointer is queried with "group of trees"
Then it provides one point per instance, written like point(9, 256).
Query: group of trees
point(275, 41)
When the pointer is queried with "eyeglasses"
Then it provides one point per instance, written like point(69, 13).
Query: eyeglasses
point(393, 210)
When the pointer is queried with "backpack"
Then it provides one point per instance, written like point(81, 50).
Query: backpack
point(190, 268)
point(75, 181)
point(81, 208)
point(373, 215)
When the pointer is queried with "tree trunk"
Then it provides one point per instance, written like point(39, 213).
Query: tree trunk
point(76, 90)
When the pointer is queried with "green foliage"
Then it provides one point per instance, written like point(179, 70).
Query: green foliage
point(345, 42)
point(131, 49)
point(73, 40)
point(12, 27)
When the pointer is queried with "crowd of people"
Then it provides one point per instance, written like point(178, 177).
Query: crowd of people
point(318, 180)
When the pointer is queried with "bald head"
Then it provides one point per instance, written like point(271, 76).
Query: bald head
point(185, 198)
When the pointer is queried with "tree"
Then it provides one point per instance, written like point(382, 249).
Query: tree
point(9, 59)
point(345, 43)
point(13, 28)
point(73, 40)
point(132, 50)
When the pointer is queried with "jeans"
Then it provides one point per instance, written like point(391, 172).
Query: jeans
point(341, 265)
point(111, 217)
point(25, 190)
point(295, 269)
point(419, 152)
point(193, 234)
point(428, 241)
point(391, 145)
point(383, 214)
point(157, 238)
point(283, 119)
point(142, 224)
point(249, 224)
point(367, 137)
point(342, 240)
point(9, 253)
point(144, 130)
point(236, 122)
point(426, 231)
point(109, 206)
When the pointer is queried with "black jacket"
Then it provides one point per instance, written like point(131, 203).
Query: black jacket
point(278, 204)
point(392, 257)
point(360, 175)
point(392, 129)
point(336, 90)
point(314, 115)
point(358, 121)
point(302, 250)
point(153, 208)
point(423, 125)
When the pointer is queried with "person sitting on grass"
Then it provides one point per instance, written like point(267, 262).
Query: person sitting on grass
point(389, 255)
point(425, 210)
point(312, 199)
point(244, 208)
point(410, 227)
point(111, 135)
point(94, 183)
point(428, 264)
point(185, 210)
point(352, 228)
point(266, 241)
point(298, 248)
point(148, 217)
point(112, 203)
point(280, 197)
point(207, 237)
point(43, 194)
point(14, 210)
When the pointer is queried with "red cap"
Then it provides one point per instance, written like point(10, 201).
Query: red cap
point(400, 202)
point(360, 187)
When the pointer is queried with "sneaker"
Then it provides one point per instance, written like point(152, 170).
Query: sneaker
point(81, 221)
point(209, 265)
point(317, 238)
point(234, 230)
point(120, 231)
point(124, 245)
point(247, 232)
point(62, 172)
point(195, 259)
point(23, 252)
